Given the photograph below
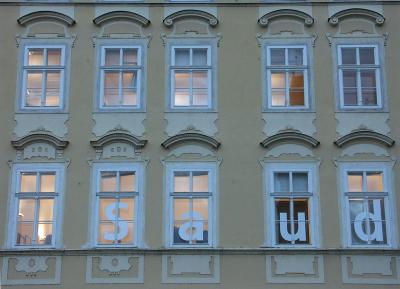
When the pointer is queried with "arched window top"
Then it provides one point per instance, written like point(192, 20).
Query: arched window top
point(190, 137)
point(289, 136)
point(362, 135)
point(356, 12)
point(118, 136)
point(190, 14)
point(46, 16)
point(121, 16)
point(265, 19)
point(39, 137)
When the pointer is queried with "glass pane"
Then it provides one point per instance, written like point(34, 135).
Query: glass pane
point(278, 79)
point(111, 88)
point(300, 182)
point(181, 97)
point(130, 57)
point(200, 97)
point(28, 182)
point(281, 182)
point(296, 97)
point(46, 210)
point(200, 182)
point(368, 78)
point(277, 56)
point(349, 78)
point(182, 223)
point(108, 209)
point(129, 96)
point(200, 221)
point(200, 209)
point(53, 81)
point(349, 55)
point(295, 56)
point(127, 181)
point(350, 96)
point(45, 232)
point(200, 79)
point(296, 90)
point(35, 56)
point(367, 55)
point(54, 56)
point(278, 97)
point(125, 232)
point(182, 79)
point(374, 182)
point(129, 80)
point(181, 182)
point(369, 96)
point(25, 234)
point(300, 210)
point(26, 210)
point(282, 218)
point(34, 89)
point(127, 209)
point(359, 234)
point(106, 233)
point(356, 207)
point(354, 181)
point(108, 182)
point(200, 56)
point(296, 79)
point(182, 56)
point(181, 210)
point(112, 56)
point(48, 182)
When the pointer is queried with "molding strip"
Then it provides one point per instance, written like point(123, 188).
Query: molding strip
point(38, 137)
point(45, 16)
point(264, 20)
point(121, 16)
point(289, 136)
point(185, 14)
point(364, 135)
point(356, 12)
point(118, 136)
point(187, 137)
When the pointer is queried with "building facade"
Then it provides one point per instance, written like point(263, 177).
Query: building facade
point(199, 144)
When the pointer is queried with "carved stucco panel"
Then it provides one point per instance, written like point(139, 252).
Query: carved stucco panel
point(346, 122)
point(205, 123)
point(52, 122)
point(132, 122)
point(277, 121)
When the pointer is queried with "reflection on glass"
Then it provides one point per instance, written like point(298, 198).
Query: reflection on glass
point(349, 55)
point(200, 56)
point(374, 182)
point(108, 182)
point(181, 182)
point(112, 56)
point(277, 56)
point(54, 56)
point(34, 88)
point(354, 182)
point(281, 182)
point(182, 56)
point(28, 182)
point(35, 56)
point(200, 181)
point(48, 182)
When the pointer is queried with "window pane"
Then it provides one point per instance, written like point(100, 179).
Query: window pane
point(182, 79)
point(277, 56)
point(54, 56)
point(301, 221)
point(28, 182)
point(200, 79)
point(200, 97)
point(182, 56)
point(26, 210)
point(34, 89)
point(35, 56)
point(127, 181)
point(296, 86)
point(111, 88)
point(181, 182)
point(369, 96)
point(125, 233)
point(376, 209)
point(300, 182)
point(129, 80)
point(282, 217)
point(278, 97)
point(181, 97)
point(356, 207)
point(350, 96)
point(200, 181)
point(53, 81)
point(112, 56)
point(200, 221)
point(200, 56)
point(367, 55)
point(127, 209)
point(47, 182)
point(374, 182)
point(281, 182)
point(182, 222)
point(349, 56)
point(45, 232)
point(108, 182)
point(368, 78)
point(25, 233)
point(108, 209)
point(296, 97)
point(354, 181)
point(278, 79)
point(181, 209)
point(349, 78)
point(295, 56)
point(106, 233)
point(130, 56)
point(46, 210)
point(296, 79)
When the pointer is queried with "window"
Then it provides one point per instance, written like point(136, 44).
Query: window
point(43, 77)
point(287, 77)
point(191, 74)
point(359, 76)
point(36, 194)
point(191, 192)
point(366, 205)
point(291, 197)
point(118, 198)
point(120, 70)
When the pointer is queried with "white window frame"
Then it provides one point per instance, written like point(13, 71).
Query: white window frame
point(365, 167)
point(26, 67)
point(17, 170)
point(312, 169)
point(210, 68)
point(139, 214)
point(139, 68)
point(211, 168)
point(305, 68)
point(377, 66)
